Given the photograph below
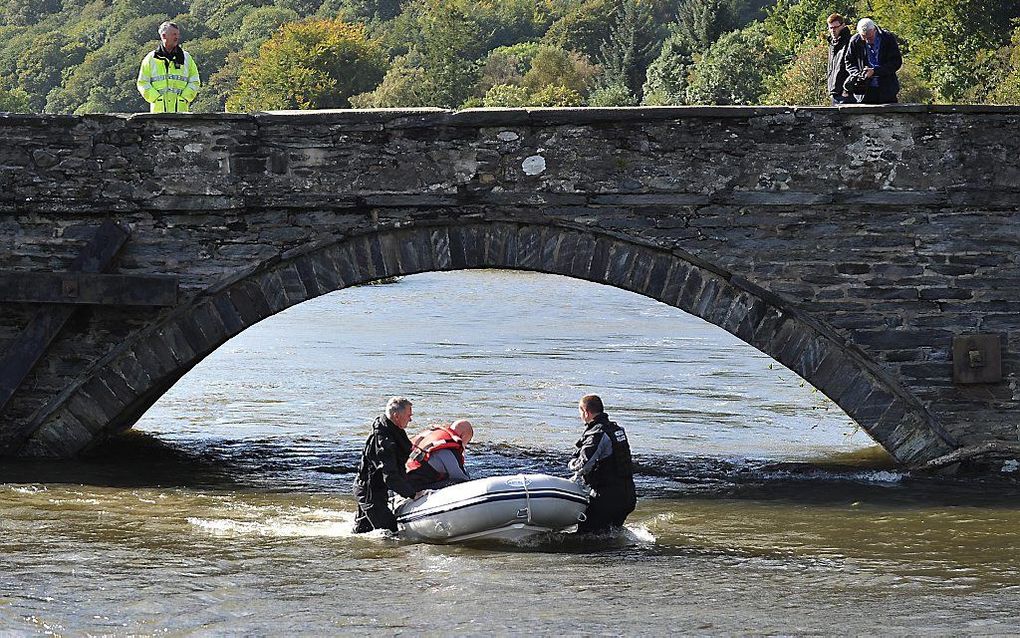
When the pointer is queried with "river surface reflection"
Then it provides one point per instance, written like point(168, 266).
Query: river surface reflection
point(762, 510)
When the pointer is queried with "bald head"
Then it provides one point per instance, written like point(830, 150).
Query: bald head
point(464, 430)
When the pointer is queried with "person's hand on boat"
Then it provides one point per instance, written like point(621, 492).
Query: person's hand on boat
point(422, 493)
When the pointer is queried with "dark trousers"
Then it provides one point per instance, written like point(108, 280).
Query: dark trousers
point(373, 511)
point(607, 511)
point(878, 95)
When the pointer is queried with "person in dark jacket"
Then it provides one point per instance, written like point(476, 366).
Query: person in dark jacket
point(872, 60)
point(602, 462)
point(382, 468)
point(839, 38)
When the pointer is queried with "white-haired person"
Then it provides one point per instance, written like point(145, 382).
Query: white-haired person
point(168, 77)
point(382, 468)
point(872, 60)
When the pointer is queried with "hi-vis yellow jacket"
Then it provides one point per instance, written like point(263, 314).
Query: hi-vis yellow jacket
point(168, 88)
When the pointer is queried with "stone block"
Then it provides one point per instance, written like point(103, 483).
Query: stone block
point(501, 246)
point(229, 316)
point(89, 412)
point(529, 248)
point(439, 239)
point(133, 373)
point(599, 260)
point(458, 250)
point(206, 319)
point(61, 436)
point(345, 261)
point(690, 292)
point(272, 289)
point(620, 264)
point(389, 250)
point(658, 274)
point(250, 303)
point(888, 421)
point(173, 337)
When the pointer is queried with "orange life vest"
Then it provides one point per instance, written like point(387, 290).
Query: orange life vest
point(424, 445)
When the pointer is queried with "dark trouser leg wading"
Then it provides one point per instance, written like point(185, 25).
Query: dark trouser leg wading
point(372, 517)
point(605, 513)
point(373, 511)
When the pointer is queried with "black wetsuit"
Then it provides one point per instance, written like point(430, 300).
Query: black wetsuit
point(381, 470)
point(609, 473)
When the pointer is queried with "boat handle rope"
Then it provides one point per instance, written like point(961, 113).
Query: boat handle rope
point(527, 496)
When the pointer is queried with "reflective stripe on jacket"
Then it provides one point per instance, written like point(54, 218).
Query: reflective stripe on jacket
point(168, 88)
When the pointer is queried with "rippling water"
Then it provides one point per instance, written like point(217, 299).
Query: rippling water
point(761, 508)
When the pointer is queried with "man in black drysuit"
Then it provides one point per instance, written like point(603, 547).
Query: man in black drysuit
point(382, 468)
point(602, 461)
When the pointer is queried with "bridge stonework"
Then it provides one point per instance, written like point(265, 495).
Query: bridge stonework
point(853, 245)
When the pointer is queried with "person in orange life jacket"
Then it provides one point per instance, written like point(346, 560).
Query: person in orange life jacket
point(602, 462)
point(437, 456)
point(382, 468)
point(168, 76)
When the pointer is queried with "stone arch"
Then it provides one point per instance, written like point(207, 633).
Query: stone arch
point(120, 387)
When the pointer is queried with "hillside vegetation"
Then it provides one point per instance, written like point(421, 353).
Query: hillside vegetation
point(77, 56)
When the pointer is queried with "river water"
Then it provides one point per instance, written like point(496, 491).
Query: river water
point(761, 508)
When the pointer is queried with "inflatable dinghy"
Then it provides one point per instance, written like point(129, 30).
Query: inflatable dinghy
point(500, 508)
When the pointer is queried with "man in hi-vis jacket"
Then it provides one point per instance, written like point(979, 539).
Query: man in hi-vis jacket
point(168, 77)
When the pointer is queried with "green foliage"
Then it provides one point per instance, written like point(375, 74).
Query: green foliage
point(553, 68)
point(507, 65)
point(612, 95)
point(40, 65)
point(699, 23)
point(734, 69)
point(585, 28)
point(83, 55)
point(315, 64)
point(13, 100)
point(555, 95)
point(506, 96)
point(439, 69)
point(947, 38)
point(626, 54)
point(802, 82)
point(791, 22)
point(1005, 66)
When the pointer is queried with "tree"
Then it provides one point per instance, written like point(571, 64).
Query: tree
point(699, 23)
point(40, 65)
point(506, 96)
point(803, 81)
point(733, 70)
point(584, 28)
point(438, 69)
point(1005, 78)
point(13, 100)
point(946, 38)
point(792, 22)
point(554, 67)
point(625, 55)
point(314, 64)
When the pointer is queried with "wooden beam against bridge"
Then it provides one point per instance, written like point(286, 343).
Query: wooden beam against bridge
point(88, 288)
point(26, 350)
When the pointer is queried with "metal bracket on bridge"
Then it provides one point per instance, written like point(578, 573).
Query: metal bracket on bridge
point(977, 359)
point(63, 293)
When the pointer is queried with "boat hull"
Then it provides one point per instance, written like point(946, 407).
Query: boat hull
point(500, 507)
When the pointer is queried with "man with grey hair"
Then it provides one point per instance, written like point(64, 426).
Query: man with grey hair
point(872, 60)
point(168, 77)
point(382, 468)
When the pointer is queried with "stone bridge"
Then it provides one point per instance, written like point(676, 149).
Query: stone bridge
point(872, 250)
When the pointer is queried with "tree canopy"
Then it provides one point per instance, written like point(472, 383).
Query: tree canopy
point(80, 56)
